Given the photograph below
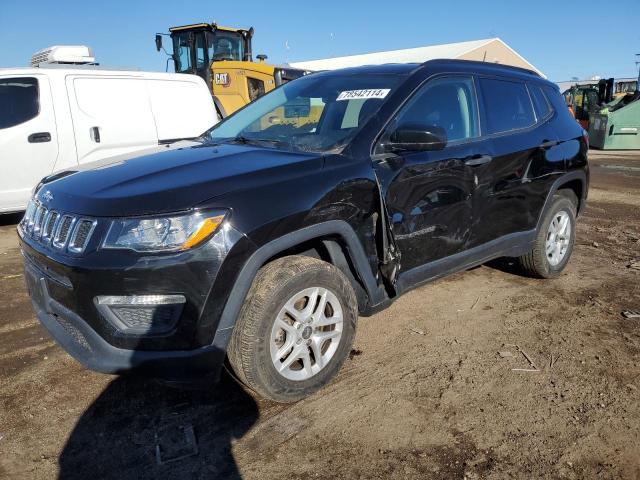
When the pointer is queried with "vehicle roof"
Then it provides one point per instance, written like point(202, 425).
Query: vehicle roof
point(385, 68)
point(93, 70)
point(442, 64)
point(208, 26)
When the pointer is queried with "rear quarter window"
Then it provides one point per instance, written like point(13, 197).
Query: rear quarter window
point(507, 105)
point(19, 100)
point(556, 99)
point(540, 102)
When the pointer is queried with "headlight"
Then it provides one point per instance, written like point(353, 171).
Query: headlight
point(163, 234)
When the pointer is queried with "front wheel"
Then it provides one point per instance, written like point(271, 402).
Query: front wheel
point(554, 241)
point(295, 329)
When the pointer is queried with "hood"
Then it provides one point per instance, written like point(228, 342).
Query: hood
point(178, 178)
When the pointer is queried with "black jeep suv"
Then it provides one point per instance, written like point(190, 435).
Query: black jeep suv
point(261, 242)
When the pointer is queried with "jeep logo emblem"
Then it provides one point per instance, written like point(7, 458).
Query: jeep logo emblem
point(47, 196)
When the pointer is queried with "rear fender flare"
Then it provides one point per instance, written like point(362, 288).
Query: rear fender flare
point(563, 179)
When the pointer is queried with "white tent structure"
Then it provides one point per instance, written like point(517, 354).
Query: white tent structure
point(491, 50)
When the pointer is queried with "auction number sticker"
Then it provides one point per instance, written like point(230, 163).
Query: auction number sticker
point(363, 94)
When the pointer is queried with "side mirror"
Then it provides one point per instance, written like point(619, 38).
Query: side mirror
point(158, 42)
point(417, 138)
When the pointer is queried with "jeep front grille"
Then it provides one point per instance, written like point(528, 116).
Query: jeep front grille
point(59, 230)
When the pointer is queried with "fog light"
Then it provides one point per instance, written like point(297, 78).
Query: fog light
point(141, 314)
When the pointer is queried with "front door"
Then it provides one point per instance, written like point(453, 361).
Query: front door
point(28, 137)
point(429, 195)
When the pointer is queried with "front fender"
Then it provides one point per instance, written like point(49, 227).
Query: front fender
point(335, 228)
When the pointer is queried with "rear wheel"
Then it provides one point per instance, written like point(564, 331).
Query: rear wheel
point(555, 239)
point(295, 329)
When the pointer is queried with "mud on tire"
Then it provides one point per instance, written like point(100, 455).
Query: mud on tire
point(546, 260)
point(293, 284)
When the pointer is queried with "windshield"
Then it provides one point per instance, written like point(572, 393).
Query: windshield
point(319, 112)
point(217, 46)
point(224, 45)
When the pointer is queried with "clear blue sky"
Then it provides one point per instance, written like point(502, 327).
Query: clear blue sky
point(562, 38)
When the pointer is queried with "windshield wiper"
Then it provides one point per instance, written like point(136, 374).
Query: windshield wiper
point(174, 140)
point(256, 141)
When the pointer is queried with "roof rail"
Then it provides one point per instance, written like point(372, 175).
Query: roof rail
point(489, 64)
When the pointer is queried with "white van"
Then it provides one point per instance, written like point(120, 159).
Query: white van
point(53, 118)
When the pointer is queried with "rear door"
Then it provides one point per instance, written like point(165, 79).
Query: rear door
point(510, 192)
point(111, 116)
point(429, 194)
point(28, 137)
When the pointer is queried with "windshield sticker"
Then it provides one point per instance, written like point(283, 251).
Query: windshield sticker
point(363, 94)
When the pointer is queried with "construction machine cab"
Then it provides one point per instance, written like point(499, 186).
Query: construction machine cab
point(196, 46)
point(222, 57)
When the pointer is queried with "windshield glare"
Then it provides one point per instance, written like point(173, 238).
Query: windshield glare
point(319, 112)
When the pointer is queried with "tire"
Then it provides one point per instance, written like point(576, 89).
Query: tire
point(539, 263)
point(265, 328)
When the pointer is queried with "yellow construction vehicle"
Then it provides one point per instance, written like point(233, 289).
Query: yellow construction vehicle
point(223, 57)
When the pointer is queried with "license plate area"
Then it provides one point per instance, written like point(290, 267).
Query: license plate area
point(36, 285)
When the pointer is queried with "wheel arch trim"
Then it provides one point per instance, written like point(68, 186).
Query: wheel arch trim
point(248, 272)
point(557, 184)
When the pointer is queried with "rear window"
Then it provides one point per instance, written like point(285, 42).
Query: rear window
point(507, 105)
point(540, 102)
point(18, 100)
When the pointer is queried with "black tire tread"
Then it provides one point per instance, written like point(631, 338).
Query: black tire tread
point(533, 263)
point(245, 335)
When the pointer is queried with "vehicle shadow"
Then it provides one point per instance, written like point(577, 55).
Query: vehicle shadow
point(506, 265)
point(139, 428)
point(10, 219)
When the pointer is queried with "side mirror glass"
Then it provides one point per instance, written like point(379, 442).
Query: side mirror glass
point(158, 42)
point(411, 137)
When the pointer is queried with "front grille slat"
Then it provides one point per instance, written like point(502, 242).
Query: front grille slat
point(38, 222)
point(56, 229)
point(62, 232)
point(81, 234)
point(50, 225)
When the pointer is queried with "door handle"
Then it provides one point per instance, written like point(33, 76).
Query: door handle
point(40, 137)
point(94, 133)
point(476, 160)
point(548, 144)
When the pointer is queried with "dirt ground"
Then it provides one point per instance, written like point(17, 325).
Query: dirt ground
point(426, 393)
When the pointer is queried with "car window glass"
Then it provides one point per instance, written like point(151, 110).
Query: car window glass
point(447, 102)
point(557, 100)
point(314, 113)
point(19, 100)
point(507, 105)
point(200, 51)
point(540, 102)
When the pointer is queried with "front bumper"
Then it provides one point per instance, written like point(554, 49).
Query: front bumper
point(63, 290)
point(84, 344)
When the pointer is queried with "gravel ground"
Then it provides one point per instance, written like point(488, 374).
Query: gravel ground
point(429, 391)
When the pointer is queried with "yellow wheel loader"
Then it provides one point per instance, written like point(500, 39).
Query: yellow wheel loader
point(223, 57)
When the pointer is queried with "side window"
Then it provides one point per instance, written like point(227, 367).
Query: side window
point(447, 102)
point(540, 101)
point(19, 100)
point(200, 51)
point(507, 105)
